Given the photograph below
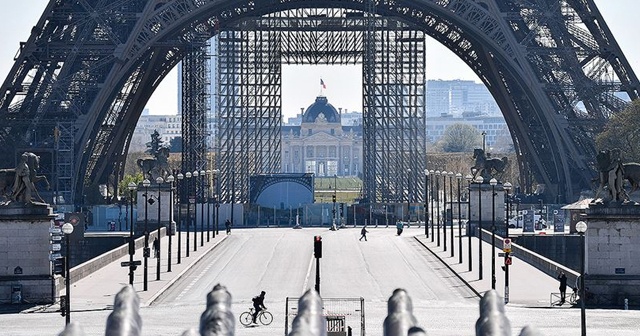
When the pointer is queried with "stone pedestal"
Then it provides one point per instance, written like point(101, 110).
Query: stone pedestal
point(162, 193)
point(25, 268)
point(612, 254)
point(481, 197)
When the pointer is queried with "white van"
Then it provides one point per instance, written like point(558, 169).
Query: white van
point(518, 221)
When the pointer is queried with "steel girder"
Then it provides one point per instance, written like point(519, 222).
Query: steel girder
point(95, 63)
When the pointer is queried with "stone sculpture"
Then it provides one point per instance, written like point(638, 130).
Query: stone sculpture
point(157, 165)
point(19, 184)
point(487, 167)
point(612, 176)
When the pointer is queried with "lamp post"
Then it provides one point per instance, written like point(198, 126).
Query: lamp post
point(187, 182)
point(408, 195)
point(479, 181)
point(132, 248)
point(159, 181)
point(215, 184)
point(437, 209)
point(195, 175)
point(431, 173)
point(208, 193)
point(170, 179)
point(507, 187)
point(67, 229)
point(459, 178)
point(581, 227)
point(452, 238)
point(145, 253)
point(426, 205)
point(469, 178)
point(335, 187)
point(493, 183)
point(180, 188)
point(444, 208)
point(202, 177)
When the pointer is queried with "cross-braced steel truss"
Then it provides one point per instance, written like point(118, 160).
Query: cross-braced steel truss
point(553, 66)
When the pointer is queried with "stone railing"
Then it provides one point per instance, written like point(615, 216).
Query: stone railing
point(218, 320)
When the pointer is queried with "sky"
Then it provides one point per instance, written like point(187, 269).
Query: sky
point(301, 84)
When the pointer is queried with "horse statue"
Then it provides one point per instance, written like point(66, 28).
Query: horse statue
point(19, 184)
point(612, 175)
point(632, 174)
point(158, 166)
point(487, 167)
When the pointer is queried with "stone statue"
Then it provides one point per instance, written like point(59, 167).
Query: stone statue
point(19, 184)
point(158, 165)
point(611, 175)
point(488, 167)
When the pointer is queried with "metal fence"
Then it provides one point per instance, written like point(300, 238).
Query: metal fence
point(341, 314)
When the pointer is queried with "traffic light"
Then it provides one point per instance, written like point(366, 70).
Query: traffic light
point(60, 266)
point(333, 197)
point(63, 305)
point(317, 246)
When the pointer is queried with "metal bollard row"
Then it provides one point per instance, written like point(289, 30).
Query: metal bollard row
point(218, 319)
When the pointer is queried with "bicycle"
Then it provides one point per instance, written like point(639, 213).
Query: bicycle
point(264, 317)
point(574, 298)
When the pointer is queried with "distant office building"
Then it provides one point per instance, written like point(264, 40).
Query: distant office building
point(321, 144)
point(458, 97)
point(496, 129)
point(168, 126)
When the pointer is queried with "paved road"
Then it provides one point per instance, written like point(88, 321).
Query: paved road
point(279, 261)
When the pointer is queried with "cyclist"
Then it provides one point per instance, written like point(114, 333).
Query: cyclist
point(258, 305)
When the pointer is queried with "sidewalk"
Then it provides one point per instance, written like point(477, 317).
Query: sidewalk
point(97, 291)
point(528, 287)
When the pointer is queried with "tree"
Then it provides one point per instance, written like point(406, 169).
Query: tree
point(623, 131)
point(460, 138)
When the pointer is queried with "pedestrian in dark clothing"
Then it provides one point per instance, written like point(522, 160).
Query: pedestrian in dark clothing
point(400, 227)
point(227, 226)
point(563, 287)
point(258, 305)
point(156, 247)
point(363, 233)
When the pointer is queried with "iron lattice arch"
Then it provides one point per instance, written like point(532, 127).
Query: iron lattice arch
point(82, 78)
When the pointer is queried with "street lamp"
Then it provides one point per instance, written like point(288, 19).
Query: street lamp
point(507, 187)
point(202, 177)
point(469, 178)
point(195, 175)
point(159, 181)
point(170, 179)
point(479, 181)
point(581, 227)
point(208, 193)
point(451, 175)
point(408, 195)
point(431, 173)
point(426, 205)
point(145, 252)
point(215, 183)
point(179, 227)
point(459, 178)
point(437, 210)
point(67, 229)
point(132, 248)
point(187, 182)
point(493, 183)
point(444, 208)
point(335, 187)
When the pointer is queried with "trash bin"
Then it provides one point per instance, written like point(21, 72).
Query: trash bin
point(16, 294)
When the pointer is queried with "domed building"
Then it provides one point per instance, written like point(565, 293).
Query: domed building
point(321, 144)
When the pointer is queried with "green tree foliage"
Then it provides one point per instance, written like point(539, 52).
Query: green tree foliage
point(459, 138)
point(623, 131)
point(123, 188)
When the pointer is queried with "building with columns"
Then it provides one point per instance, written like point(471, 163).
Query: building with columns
point(321, 144)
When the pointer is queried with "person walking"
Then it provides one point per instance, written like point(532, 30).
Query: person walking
point(399, 227)
point(363, 233)
point(563, 287)
point(227, 225)
point(156, 247)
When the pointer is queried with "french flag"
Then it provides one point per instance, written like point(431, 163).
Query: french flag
point(322, 83)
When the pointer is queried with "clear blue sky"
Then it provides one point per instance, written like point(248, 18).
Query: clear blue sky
point(302, 84)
